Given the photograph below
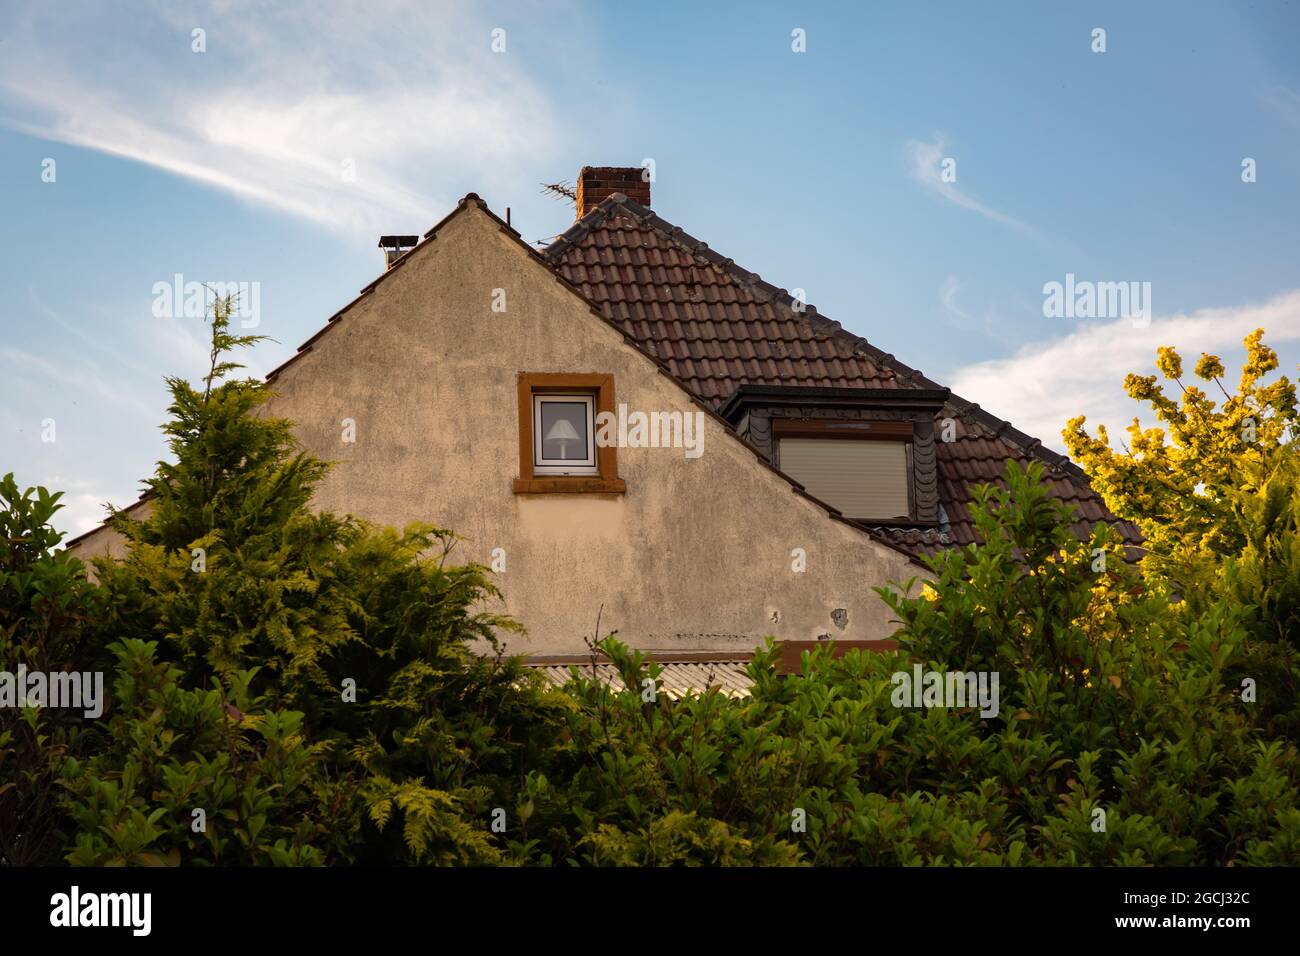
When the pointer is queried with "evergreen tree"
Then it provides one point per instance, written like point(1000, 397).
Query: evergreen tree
point(295, 646)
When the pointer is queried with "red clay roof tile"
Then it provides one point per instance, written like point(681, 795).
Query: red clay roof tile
point(717, 327)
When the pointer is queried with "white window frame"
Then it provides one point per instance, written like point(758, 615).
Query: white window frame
point(561, 466)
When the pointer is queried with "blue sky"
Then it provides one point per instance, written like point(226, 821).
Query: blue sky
point(820, 170)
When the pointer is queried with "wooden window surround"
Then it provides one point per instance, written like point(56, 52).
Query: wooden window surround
point(606, 481)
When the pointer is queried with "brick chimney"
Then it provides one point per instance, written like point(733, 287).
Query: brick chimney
point(597, 182)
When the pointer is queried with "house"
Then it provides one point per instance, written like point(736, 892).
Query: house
point(629, 426)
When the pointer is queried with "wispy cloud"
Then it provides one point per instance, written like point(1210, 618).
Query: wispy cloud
point(288, 101)
point(80, 375)
point(1045, 384)
point(948, 296)
point(986, 323)
point(924, 165)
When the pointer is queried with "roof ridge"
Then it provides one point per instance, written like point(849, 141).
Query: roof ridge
point(1001, 428)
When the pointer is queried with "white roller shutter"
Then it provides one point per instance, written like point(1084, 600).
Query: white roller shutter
point(864, 479)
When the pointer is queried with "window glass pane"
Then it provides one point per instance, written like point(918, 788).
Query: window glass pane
point(564, 431)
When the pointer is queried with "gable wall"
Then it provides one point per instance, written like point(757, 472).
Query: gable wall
point(695, 554)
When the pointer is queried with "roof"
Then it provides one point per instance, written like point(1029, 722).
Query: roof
point(677, 679)
point(718, 327)
point(711, 327)
point(833, 396)
point(691, 672)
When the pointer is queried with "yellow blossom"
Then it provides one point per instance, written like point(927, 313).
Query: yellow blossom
point(1209, 367)
point(1167, 360)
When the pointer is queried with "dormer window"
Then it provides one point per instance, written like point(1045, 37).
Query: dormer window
point(867, 452)
point(862, 477)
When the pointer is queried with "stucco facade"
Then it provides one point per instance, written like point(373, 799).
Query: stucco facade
point(697, 553)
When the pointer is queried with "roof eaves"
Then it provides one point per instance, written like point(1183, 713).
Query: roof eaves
point(657, 657)
point(397, 263)
point(144, 496)
point(748, 395)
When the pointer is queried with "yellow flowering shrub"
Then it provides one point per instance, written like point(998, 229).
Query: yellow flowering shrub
point(1179, 481)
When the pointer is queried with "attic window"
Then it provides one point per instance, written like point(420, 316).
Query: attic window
point(867, 452)
point(564, 428)
point(862, 468)
point(558, 453)
point(864, 479)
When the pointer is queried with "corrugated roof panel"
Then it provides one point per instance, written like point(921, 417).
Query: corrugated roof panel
point(677, 679)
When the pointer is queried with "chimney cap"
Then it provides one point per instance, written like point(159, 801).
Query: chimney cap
point(397, 242)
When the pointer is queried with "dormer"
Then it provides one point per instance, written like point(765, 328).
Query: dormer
point(868, 452)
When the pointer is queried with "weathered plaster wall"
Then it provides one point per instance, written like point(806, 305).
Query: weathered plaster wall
point(695, 555)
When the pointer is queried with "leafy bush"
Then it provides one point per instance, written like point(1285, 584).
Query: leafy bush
point(204, 776)
point(1217, 498)
point(327, 692)
point(1109, 701)
point(45, 607)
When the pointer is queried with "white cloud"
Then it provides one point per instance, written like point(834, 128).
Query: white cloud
point(409, 93)
point(924, 159)
point(1045, 384)
point(83, 511)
